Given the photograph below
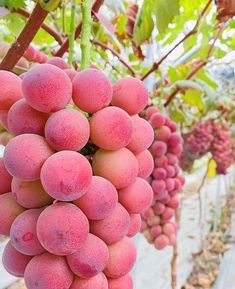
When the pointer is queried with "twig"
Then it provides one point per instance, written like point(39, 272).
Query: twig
point(64, 47)
point(196, 69)
point(72, 32)
point(19, 47)
point(120, 58)
point(44, 26)
point(192, 32)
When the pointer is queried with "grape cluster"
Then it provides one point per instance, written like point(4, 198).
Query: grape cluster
point(157, 222)
point(208, 136)
point(72, 179)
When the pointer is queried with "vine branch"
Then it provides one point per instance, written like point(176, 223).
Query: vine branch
point(196, 69)
point(192, 32)
point(86, 33)
point(72, 32)
point(115, 53)
point(64, 47)
point(21, 44)
point(44, 26)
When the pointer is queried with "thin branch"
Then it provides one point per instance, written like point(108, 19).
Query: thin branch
point(44, 26)
point(196, 69)
point(192, 32)
point(65, 46)
point(121, 59)
point(72, 31)
point(21, 44)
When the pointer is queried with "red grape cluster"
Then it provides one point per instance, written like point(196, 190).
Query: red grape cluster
point(208, 136)
point(72, 184)
point(166, 182)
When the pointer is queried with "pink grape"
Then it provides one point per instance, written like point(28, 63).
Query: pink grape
point(71, 73)
point(146, 164)
point(156, 231)
point(161, 242)
point(66, 175)
point(62, 228)
point(124, 282)
point(157, 120)
point(150, 111)
point(137, 95)
point(135, 225)
point(159, 173)
point(59, 62)
point(158, 148)
point(163, 133)
point(92, 90)
point(97, 282)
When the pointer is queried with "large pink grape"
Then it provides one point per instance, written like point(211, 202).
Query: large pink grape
point(130, 94)
point(92, 90)
point(30, 195)
point(9, 210)
point(67, 129)
point(47, 88)
point(13, 261)
point(66, 175)
point(113, 228)
point(10, 89)
point(58, 61)
point(22, 118)
point(137, 197)
point(124, 282)
point(23, 233)
point(120, 167)
point(111, 128)
point(142, 135)
point(62, 228)
point(146, 164)
point(135, 225)
point(90, 259)
point(122, 256)
point(99, 200)
point(5, 179)
point(48, 271)
point(97, 282)
point(24, 156)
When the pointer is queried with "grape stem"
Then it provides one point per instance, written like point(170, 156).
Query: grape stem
point(86, 33)
point(72, 32)
point(23, 41)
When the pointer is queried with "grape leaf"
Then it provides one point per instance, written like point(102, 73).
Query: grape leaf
point(193, 98)
point(13, 3)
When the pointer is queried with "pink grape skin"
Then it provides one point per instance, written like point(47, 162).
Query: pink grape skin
point(62, 228)
point(159, 208)
point(13, 261)
point(47, 271)
point(174, 139)
point(20, 150)
point(150, 111)
point(123, 173)
point(176, 150)
point(59, 62)
point(168, 229)
point(157, 120)
point(156, 231)
point(135, 225)
point(158, 148)
point(174, 202)
point(137, 95)
point(113, 228)
point(137, 197)
point(5, 179)
point(111, 128)
point(23, 233)
point(148, 214)
point(146, 164)
point(170, 171)
point(168, 213)
point(92, 90)
point(71, 73)
point(22, 118)
point(172, 159)
point(158, 186)
point(154, 221)
point(30, 195)
point(161, 161)
point(47, 88)
point(124, 282)
point(122, 257)
point(161, 242)
point(67, 129)
point(10, 89)
point(97, 282)
point(90, 259)
point(159, 173)
point(31, 53)
point(9, 210)
point(99, 200)
point(66, 175)
point(170, 184)
point(142, 135)
point(163, 133)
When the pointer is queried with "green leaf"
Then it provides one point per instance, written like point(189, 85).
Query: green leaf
point(177, 73)
point(165, 12)
point(144, 24)
point(177, 115)
point(203, 75)
point(15, 23)
point(194, 98)
point(13, 3)
point(121, 24)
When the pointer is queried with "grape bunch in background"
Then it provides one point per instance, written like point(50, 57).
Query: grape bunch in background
point(71, 182)
point(158, 225)
point(209, 137)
